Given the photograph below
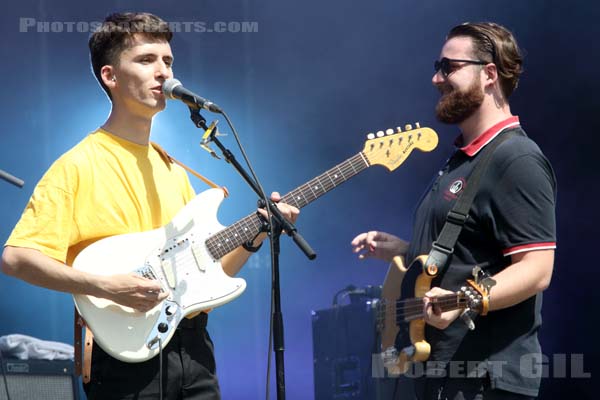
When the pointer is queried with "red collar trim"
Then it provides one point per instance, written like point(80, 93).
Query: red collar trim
point(482, 140)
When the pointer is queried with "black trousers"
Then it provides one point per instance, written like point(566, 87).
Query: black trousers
point(188, 370)
point(462, 389)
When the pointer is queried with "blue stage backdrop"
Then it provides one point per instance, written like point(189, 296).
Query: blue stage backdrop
point(304, 82)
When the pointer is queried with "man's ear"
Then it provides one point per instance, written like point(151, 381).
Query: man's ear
point(491, 74)
point(109, 79)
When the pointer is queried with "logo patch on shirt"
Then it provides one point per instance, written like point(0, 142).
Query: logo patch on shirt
point(454, 189)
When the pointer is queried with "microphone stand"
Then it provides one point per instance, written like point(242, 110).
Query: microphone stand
point(11, 179)
point(277, 224)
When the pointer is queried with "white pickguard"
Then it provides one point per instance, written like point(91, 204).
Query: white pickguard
point(178, 256)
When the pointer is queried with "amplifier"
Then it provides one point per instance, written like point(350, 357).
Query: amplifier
point(38, 380)
point(344, 341)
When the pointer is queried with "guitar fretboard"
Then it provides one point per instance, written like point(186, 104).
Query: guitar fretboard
point(247, 228)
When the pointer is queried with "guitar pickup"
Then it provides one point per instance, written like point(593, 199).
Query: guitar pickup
point(168, 272)
point(197, 253)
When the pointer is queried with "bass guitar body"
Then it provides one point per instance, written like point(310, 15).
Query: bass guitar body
point(403, 341)
point(403, 324)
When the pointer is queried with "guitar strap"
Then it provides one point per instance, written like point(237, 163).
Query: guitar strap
point(83, 365)
point(170, 160)
point(443, 247)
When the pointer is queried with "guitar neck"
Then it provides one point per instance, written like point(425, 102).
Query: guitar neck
point(408, 310)
point(228, 239)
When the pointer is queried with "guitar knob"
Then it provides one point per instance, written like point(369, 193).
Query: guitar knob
point(163, 327)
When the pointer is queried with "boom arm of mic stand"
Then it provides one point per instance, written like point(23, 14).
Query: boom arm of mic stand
point(11, 179)
point(291, 230)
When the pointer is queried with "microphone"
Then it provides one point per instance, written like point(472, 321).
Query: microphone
point(173, 89)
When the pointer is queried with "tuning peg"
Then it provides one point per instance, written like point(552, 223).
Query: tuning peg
point(408, 127)
point(380, 134)
point(488, 283)
point(475, 272)
point(418, 125)
point(389, 132)
point(398, 129)
point(371, 136)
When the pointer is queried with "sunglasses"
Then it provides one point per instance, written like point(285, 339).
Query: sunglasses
point(447, 68)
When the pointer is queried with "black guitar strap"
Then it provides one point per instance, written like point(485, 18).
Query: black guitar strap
point(443, 247)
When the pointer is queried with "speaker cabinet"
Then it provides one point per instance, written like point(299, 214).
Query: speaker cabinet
point(344, 339)
point(38, 380)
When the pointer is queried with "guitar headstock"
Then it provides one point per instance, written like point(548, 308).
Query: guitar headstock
point(479, 291)
point(392, 147)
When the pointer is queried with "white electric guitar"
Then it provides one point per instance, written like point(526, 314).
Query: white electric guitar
point(184, 256)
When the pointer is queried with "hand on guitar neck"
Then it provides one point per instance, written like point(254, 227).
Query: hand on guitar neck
point(432, 312)
point(380, 245)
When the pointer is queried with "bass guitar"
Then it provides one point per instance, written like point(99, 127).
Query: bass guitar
point(184, 256)
point(401, 322)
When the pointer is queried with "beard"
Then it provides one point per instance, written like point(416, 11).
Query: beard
point(455, 106)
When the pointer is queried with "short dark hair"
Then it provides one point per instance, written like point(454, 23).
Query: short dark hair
point(117, 33)
point(494, 43)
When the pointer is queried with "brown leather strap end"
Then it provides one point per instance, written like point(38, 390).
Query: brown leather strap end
point(87, 356)
point(83, 362)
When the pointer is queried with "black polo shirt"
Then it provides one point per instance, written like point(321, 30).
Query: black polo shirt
point(513, 211)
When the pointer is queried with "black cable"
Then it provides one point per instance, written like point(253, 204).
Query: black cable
point(342, 292)
point(268, 380)
point(160, 369)
point(4, 376)
point(272, 244)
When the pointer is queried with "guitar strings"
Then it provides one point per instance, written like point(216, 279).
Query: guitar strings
point(350, 168)
point(414, 307)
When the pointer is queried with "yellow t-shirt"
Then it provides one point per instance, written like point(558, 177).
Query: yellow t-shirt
point(103, 186)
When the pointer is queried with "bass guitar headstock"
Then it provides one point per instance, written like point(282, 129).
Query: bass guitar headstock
point(476, 296)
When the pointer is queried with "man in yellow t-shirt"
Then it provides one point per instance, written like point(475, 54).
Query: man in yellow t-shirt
point(115, 182)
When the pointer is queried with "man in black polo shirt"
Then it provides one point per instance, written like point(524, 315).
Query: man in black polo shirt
point(511, 226)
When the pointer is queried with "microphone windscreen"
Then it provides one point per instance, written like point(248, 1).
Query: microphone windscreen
point(168, 86)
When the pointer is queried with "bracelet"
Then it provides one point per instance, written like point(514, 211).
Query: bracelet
point(248, 246)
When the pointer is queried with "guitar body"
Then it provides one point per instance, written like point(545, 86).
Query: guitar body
point(403, 342)
point(175, 255)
